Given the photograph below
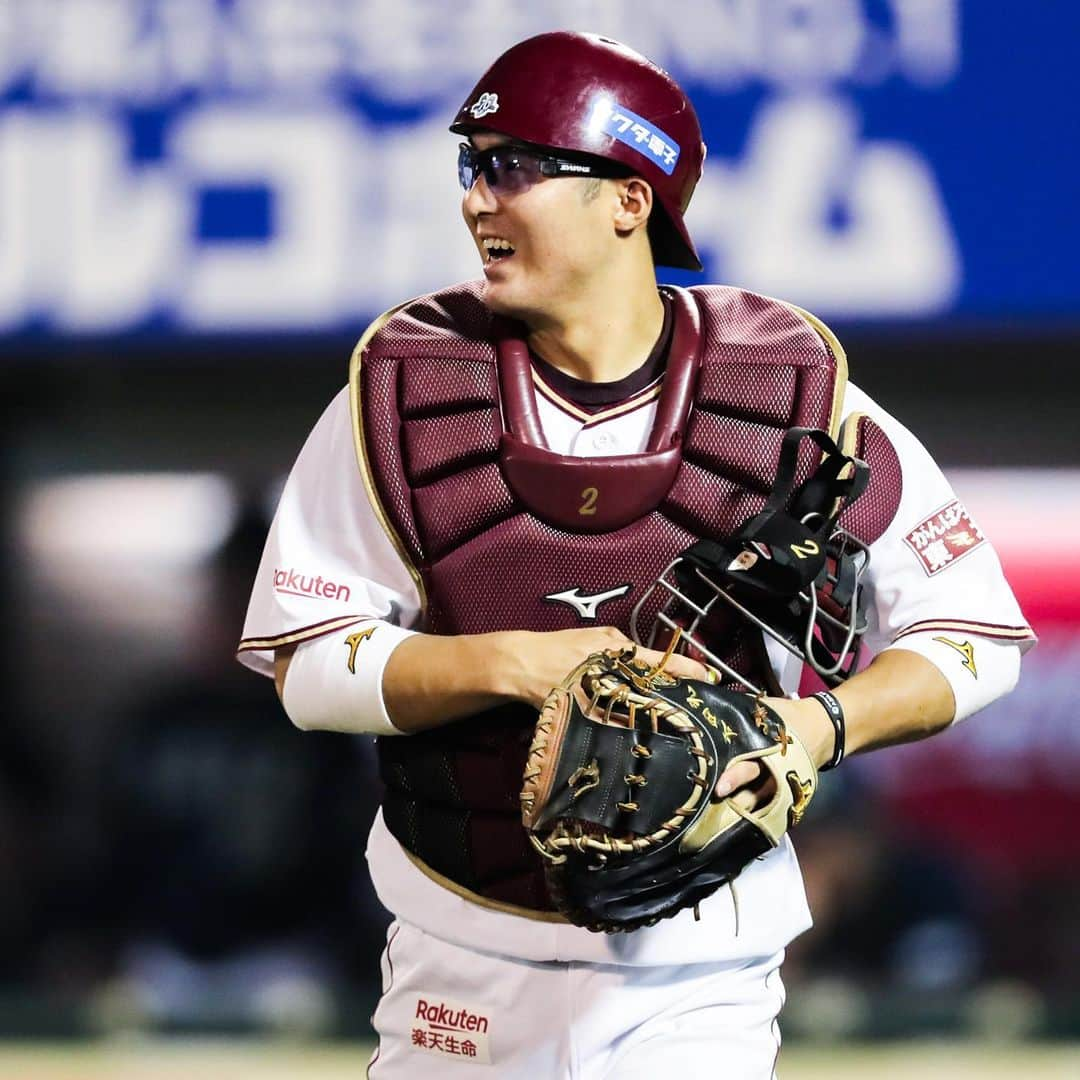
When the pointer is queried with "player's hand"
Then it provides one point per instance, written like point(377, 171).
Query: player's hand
point(540, 661)
point(750, 784)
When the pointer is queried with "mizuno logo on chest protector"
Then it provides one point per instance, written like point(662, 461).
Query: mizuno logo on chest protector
point(586, 605)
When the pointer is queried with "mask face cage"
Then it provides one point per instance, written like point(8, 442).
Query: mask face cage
point(789, 571)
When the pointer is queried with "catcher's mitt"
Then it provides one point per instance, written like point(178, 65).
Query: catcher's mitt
point(618, 790)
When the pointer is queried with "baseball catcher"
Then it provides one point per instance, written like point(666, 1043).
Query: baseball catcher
point(561, 466)
point(618, 791)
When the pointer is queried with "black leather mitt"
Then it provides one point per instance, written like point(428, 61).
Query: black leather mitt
point(618, 790)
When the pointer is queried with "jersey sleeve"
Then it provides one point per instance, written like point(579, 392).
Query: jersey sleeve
point(328, 564)
point(935, 583)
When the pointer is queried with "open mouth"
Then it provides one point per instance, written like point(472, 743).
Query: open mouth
point(496, 249)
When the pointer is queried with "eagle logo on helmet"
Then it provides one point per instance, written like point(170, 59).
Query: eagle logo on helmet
point(483, 105)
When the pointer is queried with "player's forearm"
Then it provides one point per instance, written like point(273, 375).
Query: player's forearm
point(431, 680)
point(900, 697)
point(380, 680)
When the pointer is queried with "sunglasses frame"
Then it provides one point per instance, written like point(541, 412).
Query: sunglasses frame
point(549, 166)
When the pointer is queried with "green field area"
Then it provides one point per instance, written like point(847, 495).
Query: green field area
point(233, 1060)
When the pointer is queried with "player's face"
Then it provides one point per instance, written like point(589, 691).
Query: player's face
point(542, 242)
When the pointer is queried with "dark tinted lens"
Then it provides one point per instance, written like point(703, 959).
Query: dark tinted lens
point(510, 168)
point(506, 169)
point(466, 166)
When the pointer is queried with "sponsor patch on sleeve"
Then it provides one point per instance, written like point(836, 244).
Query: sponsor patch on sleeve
point(944, 538)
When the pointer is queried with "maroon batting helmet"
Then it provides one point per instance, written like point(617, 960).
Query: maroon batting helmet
point(590, 95)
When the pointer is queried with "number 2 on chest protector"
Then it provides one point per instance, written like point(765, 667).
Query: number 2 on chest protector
point(588, 503)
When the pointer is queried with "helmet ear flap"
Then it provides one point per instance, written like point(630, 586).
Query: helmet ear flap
point(668, 243)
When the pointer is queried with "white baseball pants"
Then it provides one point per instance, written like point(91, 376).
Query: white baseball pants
point(459, 1014)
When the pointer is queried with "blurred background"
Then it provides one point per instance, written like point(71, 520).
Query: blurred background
point(203, 203)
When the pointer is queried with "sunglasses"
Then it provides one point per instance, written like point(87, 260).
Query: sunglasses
point(510, 169)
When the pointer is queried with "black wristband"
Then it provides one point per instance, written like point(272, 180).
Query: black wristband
point(835, 713)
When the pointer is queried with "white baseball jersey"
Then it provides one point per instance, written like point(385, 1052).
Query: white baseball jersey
point(934, 585)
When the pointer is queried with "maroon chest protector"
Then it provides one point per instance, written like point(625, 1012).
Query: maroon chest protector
point(496, 525)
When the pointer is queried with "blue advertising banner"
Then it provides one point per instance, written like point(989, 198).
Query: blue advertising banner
point(257, 166)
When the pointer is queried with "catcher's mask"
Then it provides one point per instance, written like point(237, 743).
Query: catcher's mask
point(593, 96)
point(789, 570)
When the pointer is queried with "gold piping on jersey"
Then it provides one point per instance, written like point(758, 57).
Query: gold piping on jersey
point(305, 633)
point(837, 350)
point(588, 418)
point(483, 901)
point(961, 626)
point(361, 447)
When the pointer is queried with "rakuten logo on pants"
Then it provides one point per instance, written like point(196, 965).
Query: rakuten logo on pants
point(452, 1029)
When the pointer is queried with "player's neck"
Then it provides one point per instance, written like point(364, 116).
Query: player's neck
point(604, 336)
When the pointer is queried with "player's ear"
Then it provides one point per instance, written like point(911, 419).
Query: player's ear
point(635, 200)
